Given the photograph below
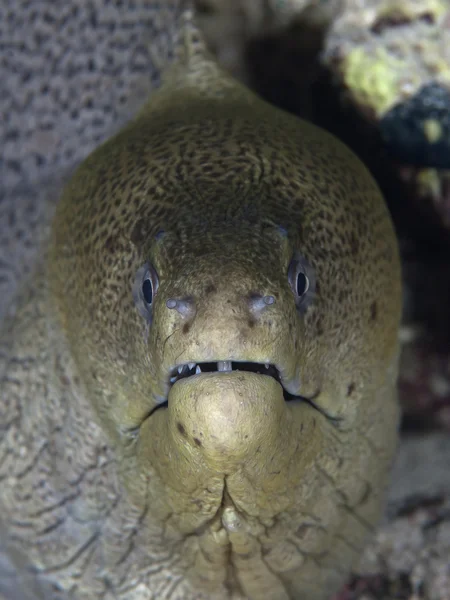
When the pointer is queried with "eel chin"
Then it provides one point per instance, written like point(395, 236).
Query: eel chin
point(219, 429)
point(227, 417)
point(224, 435)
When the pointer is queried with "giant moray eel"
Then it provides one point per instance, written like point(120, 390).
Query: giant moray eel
point(200, 390)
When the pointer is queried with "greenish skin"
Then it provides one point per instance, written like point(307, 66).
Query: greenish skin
point(229, 491)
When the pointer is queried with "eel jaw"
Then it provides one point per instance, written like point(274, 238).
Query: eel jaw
point(190, 369)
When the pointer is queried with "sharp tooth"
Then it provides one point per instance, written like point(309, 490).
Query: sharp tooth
point(180, 368)
point(224, 365)
point(173, 379)
point(191, 366)
point(197, 370)
point(267, 365)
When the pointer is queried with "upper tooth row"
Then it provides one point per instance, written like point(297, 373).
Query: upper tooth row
point(189, 366)
point(182, 367)
point(222, 365)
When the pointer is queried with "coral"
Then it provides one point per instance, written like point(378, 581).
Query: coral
point(417, 132)
point(391, 61)
point(382, 53)
point(428, 187)
point(408, 556)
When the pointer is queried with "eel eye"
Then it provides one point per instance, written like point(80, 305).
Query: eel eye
point(302, 281)
point(147, 291)
point(302, 284)
point(144, 290)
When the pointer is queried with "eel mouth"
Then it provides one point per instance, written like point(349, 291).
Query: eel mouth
point(223, 366)
point(191, 369)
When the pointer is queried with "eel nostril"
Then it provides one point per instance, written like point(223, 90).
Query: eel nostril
point(185, 306)
point(257, 302)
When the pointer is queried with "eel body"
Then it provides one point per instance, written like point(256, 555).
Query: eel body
point(199, 389)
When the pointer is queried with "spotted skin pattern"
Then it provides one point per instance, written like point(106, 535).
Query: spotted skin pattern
point(227, 491)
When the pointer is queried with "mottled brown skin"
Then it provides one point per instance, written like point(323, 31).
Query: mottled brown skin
point(229, 491)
